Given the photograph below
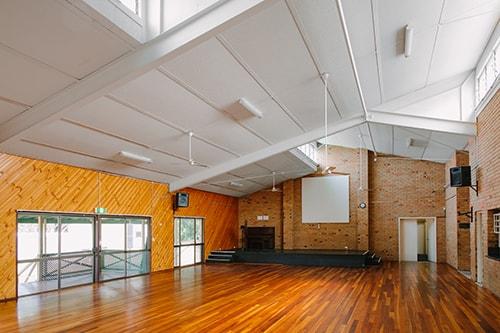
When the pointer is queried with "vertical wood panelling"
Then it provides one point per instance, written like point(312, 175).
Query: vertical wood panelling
point(221, 218)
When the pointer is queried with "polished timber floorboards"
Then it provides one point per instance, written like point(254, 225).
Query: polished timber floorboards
point(411, 297)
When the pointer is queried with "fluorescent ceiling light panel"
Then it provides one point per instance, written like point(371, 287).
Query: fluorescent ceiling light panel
point(134, 157)
point(408, 40)
point(250, 108)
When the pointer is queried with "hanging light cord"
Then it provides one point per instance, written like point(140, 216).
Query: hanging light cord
point(325, 79)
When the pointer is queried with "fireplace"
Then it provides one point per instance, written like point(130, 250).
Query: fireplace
point(259, 238)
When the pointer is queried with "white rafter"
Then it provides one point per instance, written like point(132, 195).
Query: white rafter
point(271, 150)
point(426, 123)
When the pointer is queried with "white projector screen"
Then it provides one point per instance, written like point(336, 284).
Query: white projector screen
point(325, 199)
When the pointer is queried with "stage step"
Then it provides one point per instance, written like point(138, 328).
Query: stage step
point(221, 256)
point(373, 259)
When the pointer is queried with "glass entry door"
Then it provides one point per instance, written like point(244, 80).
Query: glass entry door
point(62, 250)
point(188, 241)
point(125, 247)
point(54, 251)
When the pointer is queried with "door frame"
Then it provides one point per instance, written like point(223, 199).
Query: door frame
point(96, 232)
point(478, 216)
point(434, 218)
point(202, 244)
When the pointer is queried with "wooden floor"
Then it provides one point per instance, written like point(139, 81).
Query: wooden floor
point(418, 297)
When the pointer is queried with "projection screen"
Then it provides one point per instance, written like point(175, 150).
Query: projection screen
point(325, 199)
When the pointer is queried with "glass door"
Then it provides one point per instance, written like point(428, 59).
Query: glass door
point(53, 251)
point(65, 249)
point(188, 241)
point(124, 248)
point(76, 251)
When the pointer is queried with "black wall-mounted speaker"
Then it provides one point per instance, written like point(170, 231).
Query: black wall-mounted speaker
point(181, 200)
point(460, 176)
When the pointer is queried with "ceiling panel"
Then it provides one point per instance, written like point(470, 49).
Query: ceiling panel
point(368, 76)
point(270, 44)
point(227, 133)
point(218, 189)
point(9, 110)
point(284, 162)
point(458, 9)
point(115, 118)
point(466, 38)
point(37, 151)
point(382, 138)
point(437, 152)
point(321, 24)
point(275, 125)
point(401, 75)
point(26, 81)
point(401, 142)
point(211, 70)
point(349, 138)
point(444, 106)
point(85, 141)
point(393, 15)
point(455, 141)
point(57, 34)
point(153, 92)
point(111, 117)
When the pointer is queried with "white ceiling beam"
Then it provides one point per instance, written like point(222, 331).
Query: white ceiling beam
point(269, 151)
point(192, 32)
point(426, 123)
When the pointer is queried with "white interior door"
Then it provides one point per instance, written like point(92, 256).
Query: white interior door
point(431, 240)
point(479, 248)
point(408, 240)
point(421, 238)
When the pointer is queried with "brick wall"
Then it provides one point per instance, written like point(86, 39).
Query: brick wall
point(262, 203)
point(354, 234)
point(401, 187)
point(484, 155)
point(397, 187)
point(457, 200)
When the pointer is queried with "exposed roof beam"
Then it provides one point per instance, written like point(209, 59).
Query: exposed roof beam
point(354, 68)
point(432, 124)
point(195, 30)
point(271, 150)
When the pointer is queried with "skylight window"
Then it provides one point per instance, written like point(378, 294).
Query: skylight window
point(309, 149)
point(488, 74)
point(133, 5)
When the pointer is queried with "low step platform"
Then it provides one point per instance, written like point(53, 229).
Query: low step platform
point(221, 256)
point(338, 258)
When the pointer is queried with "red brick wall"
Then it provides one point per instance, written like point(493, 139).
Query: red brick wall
point(297, 235)
point(457, 200)
point(262, 203)
point(396, 188)
point(401, 187)
point(484, 154)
